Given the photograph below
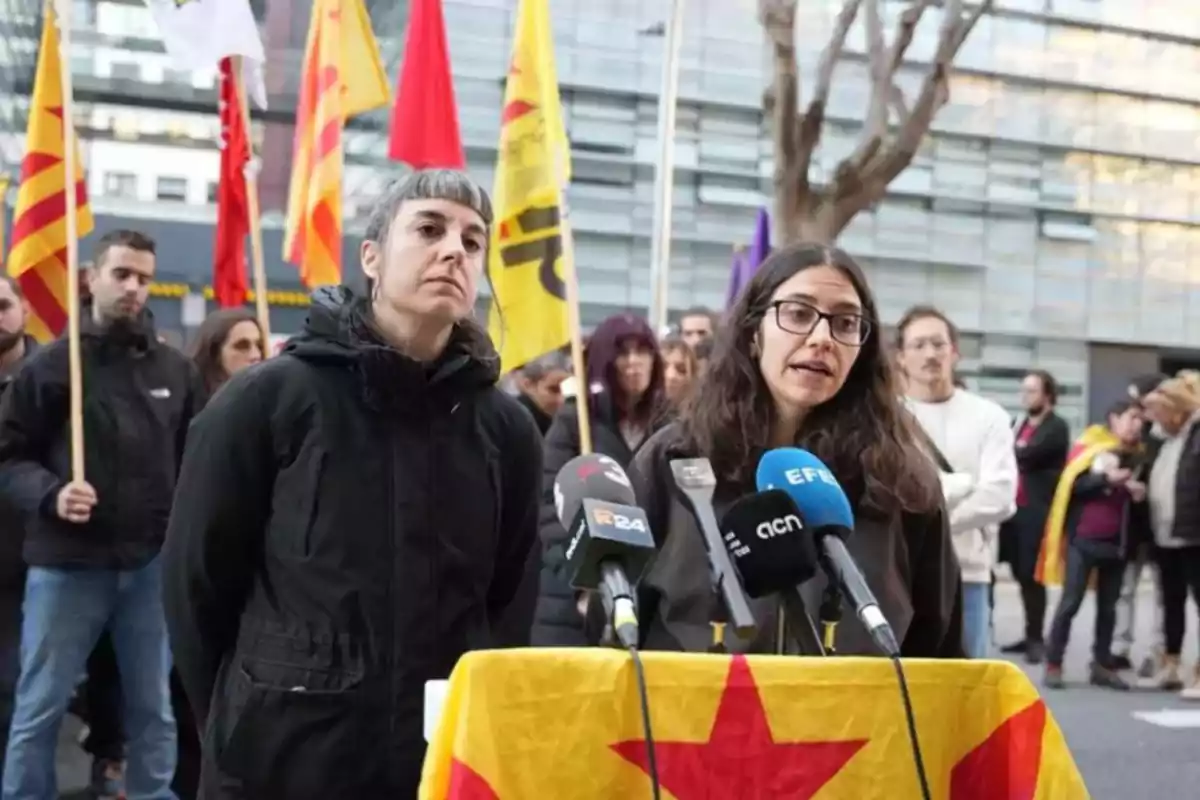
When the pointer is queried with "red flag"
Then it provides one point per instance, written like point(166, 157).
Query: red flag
point(425, 118)
point(233, 209)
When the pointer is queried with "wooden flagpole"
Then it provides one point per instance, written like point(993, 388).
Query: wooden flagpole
point(261, 307)
point(74, 354)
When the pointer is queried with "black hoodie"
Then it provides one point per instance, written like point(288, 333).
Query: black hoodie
point(139, 397)
point(349, 523)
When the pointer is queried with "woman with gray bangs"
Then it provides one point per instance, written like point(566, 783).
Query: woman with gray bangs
point(321, 563)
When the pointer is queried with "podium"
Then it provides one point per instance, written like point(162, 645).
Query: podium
point(559, 724)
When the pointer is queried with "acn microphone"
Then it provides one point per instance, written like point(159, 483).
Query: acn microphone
point(609, 544)
point(775, 553)
point(824, 506)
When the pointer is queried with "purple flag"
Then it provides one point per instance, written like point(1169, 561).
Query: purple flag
point(739, 276)
point(747, 261)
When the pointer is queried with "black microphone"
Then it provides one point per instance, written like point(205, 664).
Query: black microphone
point(695, 484)
point(609, 537)
point(775, 553)
point(825, 506)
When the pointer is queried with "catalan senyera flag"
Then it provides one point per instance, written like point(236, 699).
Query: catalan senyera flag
point(343, 76)
point(566, 724)
point(529, 311)
point(38, 256)
point(1051, 563)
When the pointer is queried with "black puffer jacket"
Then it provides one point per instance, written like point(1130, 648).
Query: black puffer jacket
point(139, 397)
point(349, 523)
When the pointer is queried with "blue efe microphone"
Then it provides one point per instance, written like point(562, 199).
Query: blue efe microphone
point(825, 508)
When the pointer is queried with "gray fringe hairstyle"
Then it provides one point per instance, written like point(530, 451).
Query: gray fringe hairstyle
point(427, 184)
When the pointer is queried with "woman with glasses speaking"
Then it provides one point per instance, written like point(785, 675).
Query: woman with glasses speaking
point(800, 363)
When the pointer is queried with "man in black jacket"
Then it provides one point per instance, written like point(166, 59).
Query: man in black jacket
point(353, 516)
point(92, 545)
point(1042, 441)
point(15, 347)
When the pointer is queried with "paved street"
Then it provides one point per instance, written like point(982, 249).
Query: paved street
point(1120, 755)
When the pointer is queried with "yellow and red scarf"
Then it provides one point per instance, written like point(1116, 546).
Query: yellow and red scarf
point(1051, 562)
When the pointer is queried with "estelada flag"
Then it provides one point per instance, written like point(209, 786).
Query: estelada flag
point(1051, 563)
point(38, 256)
point(528, 317)
point(565, 724)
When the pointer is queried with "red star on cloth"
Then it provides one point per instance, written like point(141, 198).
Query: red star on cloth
point(741, 758)
point(1005, 766)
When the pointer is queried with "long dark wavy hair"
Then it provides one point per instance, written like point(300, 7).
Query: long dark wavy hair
point(863, 433)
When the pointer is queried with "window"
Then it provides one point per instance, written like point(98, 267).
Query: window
point(182, 77)
point(120, 184)
point(212, 191)
point(172, 189)
point(126, 72)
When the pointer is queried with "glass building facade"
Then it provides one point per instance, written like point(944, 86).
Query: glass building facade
point(1053, 211)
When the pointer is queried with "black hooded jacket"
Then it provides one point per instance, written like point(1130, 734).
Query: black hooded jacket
point(349, 522)
point(138, 398)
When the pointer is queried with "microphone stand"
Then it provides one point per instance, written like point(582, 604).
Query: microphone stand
point(830, 614)
point(796, 624)
point(720, 614)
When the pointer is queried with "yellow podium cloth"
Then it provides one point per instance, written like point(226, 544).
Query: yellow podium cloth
point(548, 724)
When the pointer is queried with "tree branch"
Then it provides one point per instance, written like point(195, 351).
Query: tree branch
point(778, 18)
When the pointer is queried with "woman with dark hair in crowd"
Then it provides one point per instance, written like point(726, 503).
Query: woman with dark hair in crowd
point(624, 370)
point(800, 363)
point(679, 369)
point(229, 340)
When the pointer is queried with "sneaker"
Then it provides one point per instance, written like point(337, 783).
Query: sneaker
point(1035, 652)
point(1149, 668)
point(1053, 678)
point(1107, 678)
point(1192, 690)
point(1120, 663)
point(1016, 648)
point(1166, 678)
point(108, 780)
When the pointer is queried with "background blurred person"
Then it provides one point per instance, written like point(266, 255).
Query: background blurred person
point(539, 388)
point(679, 369)
point(799, 363)
point(973, 446)
point(1042, 440)
point(1141, 553)
point(1096, 491)
point(15, 347)
point(703, 352)
point(697, 324)
point(354, 515)
point(93, 545)
point(229, 340)
point(1175, 518)
point(625, 373)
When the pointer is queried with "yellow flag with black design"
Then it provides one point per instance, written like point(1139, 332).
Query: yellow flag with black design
point(528, 316)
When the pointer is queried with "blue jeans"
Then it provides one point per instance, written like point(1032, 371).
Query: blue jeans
point(977, 620)
point(65, 613)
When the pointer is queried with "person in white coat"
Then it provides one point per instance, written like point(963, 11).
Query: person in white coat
point(972, 441)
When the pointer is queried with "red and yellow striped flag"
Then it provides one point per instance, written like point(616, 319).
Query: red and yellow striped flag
point(38, 258)
point(343, 76)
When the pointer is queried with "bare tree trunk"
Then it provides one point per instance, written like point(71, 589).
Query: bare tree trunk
point(892, 130)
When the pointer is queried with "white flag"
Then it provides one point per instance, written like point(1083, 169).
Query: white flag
point(197, 34)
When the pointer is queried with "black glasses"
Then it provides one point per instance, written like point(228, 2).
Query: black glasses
point(795, 316)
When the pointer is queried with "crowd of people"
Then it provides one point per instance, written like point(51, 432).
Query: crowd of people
point(264, 562)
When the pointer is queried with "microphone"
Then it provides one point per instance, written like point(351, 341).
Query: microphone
point(826, 508)
point(609, 537)
point(775, 553)
point(695, 485)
